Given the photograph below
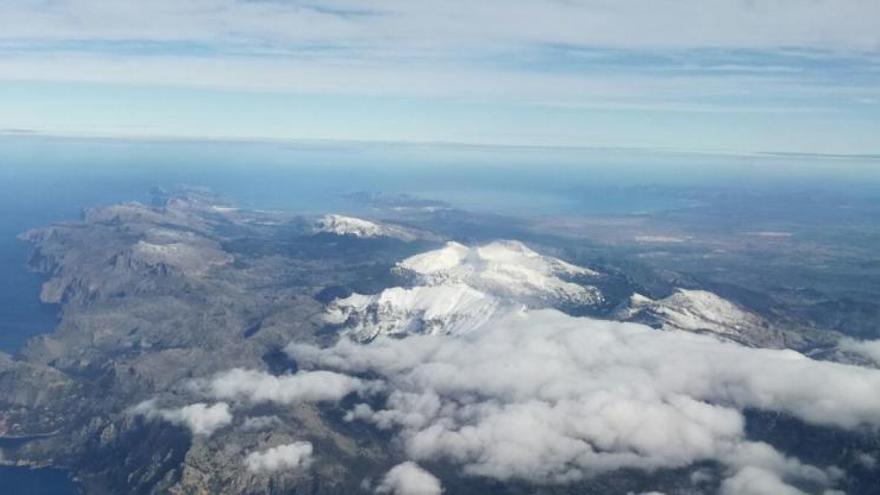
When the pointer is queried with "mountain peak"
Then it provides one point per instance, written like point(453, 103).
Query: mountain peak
point(343, 225)
point(504, 268)
point(457, 288)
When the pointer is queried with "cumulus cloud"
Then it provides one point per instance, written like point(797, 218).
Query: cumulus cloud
point(550, 398)
point(200, 418)
point(409, 479)
point(258, 386)
point(293, 456)
point(757, 481)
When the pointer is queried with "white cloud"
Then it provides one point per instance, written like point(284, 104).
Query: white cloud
point(550, 398)
point(200, 418)
point(869, 349)
point(294, 456)
point(757, 481)
point(258, 386)
point(409, 479)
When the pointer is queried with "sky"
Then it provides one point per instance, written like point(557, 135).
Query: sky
point(721, 75)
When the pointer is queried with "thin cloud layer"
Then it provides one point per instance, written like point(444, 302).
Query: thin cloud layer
point(259, 423)
point(868, 349)
point(542, 52)
point(557, 66)
point(258, 386)
point(549, 398)
point(420, 26)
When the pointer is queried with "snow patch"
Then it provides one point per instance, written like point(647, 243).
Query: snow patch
point(447, 309)
point(701, 311)
point(357, 227)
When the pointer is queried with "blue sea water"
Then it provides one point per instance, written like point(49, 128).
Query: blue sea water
point(44, 481)
point(21, 313)
point(45, 180)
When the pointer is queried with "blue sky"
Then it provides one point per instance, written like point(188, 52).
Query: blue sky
point(718, 75)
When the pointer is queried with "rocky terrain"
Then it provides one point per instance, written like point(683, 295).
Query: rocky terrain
point(155, 295)
point(177, 365)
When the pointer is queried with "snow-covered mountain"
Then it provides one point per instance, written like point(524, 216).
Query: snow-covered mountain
point(452, 308)
point(358, 227)
point(506, 269)
point(703, 312)
point(457, 288)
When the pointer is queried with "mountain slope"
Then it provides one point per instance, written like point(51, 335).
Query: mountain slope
point(702, 312)
point(448, 309)
point(342, 225)
point(457, 288)
point(506, 269)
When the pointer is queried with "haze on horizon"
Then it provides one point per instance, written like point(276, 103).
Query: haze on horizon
point(720, 75)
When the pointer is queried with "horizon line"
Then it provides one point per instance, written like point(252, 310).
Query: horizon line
point(146, 138)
